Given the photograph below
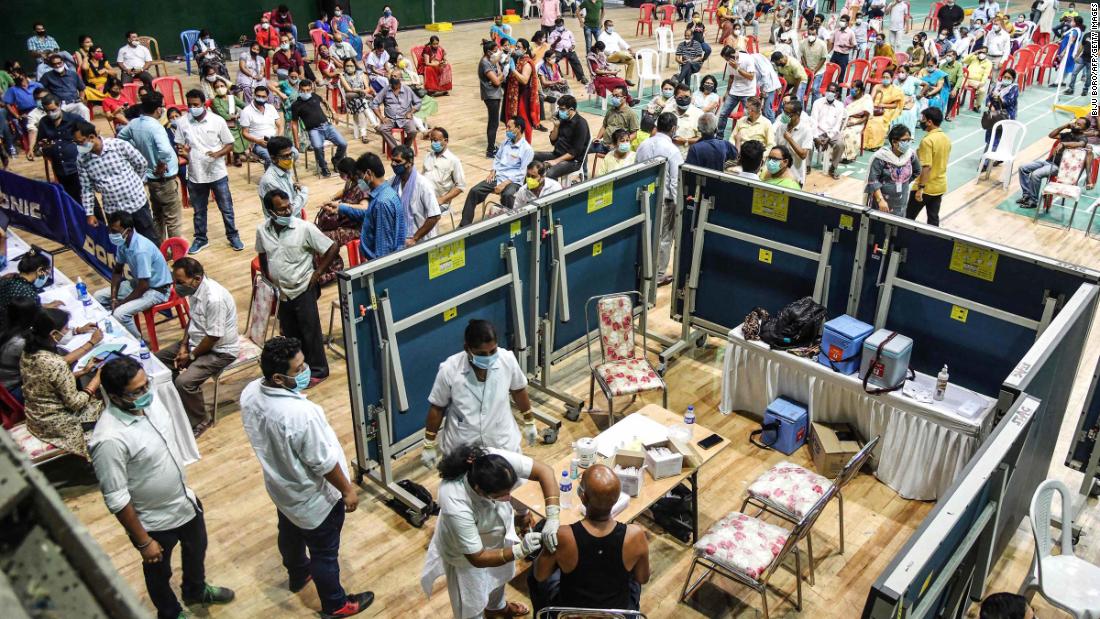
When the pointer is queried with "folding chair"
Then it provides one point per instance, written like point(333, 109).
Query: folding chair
point(1065, 183)
point(260, 323)
point(621, 370)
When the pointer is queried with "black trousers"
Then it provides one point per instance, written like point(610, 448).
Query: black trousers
point(492, 106)
point(298, 318)
point(932, 203)
point(575, 63)
point(158, 576)
point(477, 195)
point(71, 184)
point(558, 170)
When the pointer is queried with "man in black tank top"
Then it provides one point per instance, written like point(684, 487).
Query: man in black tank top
point(599, 563)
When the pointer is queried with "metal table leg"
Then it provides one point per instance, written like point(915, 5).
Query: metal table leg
point(694, 482)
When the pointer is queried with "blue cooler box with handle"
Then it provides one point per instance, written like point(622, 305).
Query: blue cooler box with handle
point(791, 419)
point(842, 343)
point(890, 368)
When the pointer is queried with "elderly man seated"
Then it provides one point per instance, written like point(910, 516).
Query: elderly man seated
point(599, 563)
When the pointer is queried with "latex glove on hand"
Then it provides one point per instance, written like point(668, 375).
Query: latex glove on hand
point(428, 455)
point(530, 544)
point(530, 432)
point(550, 528)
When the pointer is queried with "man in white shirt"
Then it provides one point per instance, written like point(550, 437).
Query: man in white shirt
point(139, 466)
point(443, 168)
point(205, 139)
point(134, 61)
point(796, 131)
point(341, 48)
point(687, 119)
point(305, 474)
point(768, 79)
point(210, 342)
point(742, 68)
point(259, 122)
point(660, 144)
point(829, 117)
point(986, 11)
point(618, 51)
point(896, 12)
point(536, 185)
point(417, 196)
point(997, 44)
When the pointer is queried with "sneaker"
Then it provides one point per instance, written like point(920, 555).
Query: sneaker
point(212, 595)
point(236, 244)
point(197, 245)
point(295, 588)
point(1023, 200)
point(491, 152)
point(1029, 204)
point(541, 128)
point(357, 603)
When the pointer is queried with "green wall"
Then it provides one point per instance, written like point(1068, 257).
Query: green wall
point(108, 20)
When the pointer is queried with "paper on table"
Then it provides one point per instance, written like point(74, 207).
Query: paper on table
point(635, 425)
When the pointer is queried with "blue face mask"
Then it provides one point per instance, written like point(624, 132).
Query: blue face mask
point(624, 147)
point(364, 186)
point(904, 145)
point(143, 401)
point(437, 147)
point(399, 169)
point(564, 114)
point(301, 380)
point(197, 111)
point(784, 118)
point(40, 281)
point(116, 239)
point(773, 166)
point(305, 96)
point(615, 101)
point(510, 135)
point(483, 361)
point(281, 220)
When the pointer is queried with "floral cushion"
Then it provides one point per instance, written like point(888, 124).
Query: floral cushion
point(249, 351)
point(1064, 190)
point(629, 376)
point(792, 487)
point(616, 327)
point(742, 544)
point(35, 449)
point(1073, 161)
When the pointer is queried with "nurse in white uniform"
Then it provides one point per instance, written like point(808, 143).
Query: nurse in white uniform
point(471, 393)
point(475, 544)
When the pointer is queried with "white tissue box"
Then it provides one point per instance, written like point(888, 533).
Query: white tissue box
point(663, 465)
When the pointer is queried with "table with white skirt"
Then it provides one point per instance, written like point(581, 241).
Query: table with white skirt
point(64, 289)
point(924, 445)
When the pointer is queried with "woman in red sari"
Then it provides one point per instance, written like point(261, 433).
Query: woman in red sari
point(604, 78)
point(433, 65)
point(521, 91)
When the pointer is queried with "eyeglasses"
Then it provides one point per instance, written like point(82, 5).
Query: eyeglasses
point(132, 395)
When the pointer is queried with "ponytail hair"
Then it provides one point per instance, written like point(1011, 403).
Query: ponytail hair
point(487, 472)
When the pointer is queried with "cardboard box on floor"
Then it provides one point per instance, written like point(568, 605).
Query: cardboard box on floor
point(830, 447)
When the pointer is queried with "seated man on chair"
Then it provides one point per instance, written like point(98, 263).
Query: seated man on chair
point(151, 278)
point(508, 175)
point(209, 343)
point(310, 109)
point(400, 103)
point(260, 122)
point(570, 137)
point(1070, 135)
point(598, 563)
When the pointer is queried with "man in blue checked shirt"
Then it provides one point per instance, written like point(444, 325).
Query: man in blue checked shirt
point(508, 175)
point(383, 224)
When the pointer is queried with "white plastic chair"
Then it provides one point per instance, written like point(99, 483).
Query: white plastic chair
point(649, 68)
point(529, 7)
point(1067, 582)
point(664, 44)
point(1009, 136)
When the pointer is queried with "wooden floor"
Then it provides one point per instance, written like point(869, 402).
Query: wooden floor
point(384, 554)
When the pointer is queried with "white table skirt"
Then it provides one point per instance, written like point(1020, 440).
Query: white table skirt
point(923, 446)
point(64, 289)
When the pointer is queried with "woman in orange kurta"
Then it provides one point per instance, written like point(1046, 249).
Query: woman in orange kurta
point(521, 92)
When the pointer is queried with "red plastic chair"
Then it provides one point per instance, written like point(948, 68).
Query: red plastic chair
point(1047, 60)
point(752, 46)
point(901, 58)
point(832, 72)
point(11, 410)
point(964, 90)
point(399, 134)
point(645, 18)
point(878, 66)
point(168, 86)
point(319, 37)
point(130, 93)
point(1025, 64)
point(354, 257)
point(711, 10)
point(931, 22)
point(858, 69)
point(667, 13)
point(336, 100)
point(1041, 38)
point(778, 103)
point(172, 249)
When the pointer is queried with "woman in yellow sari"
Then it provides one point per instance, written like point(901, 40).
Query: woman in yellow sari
point(96, 72)
point(889, 98)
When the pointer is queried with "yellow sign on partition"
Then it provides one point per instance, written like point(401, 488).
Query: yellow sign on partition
point(766, 256)
point(449, 314)
point(974, 261)
point(515, 229)
point(770, 204)
point(846, 222)
point(959, 313)
point(600, 196)
point(597, 248)
point(446, 258)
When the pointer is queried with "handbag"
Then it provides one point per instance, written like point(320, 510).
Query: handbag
point(991, 116)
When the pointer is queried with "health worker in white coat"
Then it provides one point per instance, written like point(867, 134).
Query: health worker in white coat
point(471, 393)
point(475, 544)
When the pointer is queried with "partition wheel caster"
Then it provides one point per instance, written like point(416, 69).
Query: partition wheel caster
point(573, 413)
point(415, 517)
point(661, 369)
point(550, 435)
point(701, 342)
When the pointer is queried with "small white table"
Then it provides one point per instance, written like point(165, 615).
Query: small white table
point(924, 446)
point(63, 289)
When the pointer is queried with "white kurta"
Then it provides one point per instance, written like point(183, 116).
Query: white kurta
point(1046, 16)
point(474, 411)
point(469, 523)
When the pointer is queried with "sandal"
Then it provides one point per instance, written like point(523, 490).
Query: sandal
point(511, 609)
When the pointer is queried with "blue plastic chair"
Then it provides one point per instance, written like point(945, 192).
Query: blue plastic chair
point(188, 38)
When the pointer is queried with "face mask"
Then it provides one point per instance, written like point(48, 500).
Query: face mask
point(904, 145)
point(363, 185)
point(564, 114)
point(40, 34)
point(281, 220)
point(510, 135)
point(305, 96)
point(116, 239)
point(259, 101)
point(483, 361)
point(811, 38)
point(437, 147)
point(265, 25)
point(559, 29)
point(211, 78)
point(221, 91)
point(337, 13)
point(736, 32)
point(707, 87)
point(40, 282)
point(184, 290)
point(683, 102)
point(533, 183)
point(133, 43)
point(668, 93)
point(208, 41)
point(996, 28)
point(284, 46)
point(59, 70)
point(610, 29)
point(981, 56)
point(843, 25)
point(349, 71)
point(84, 148)
point(54, 114)
point(387, 13)
point(395, 83)
point(399, 169)
point(698, 20)
point(624, 147)
point(773, 166)
point(830, 97)
point(784, 118)
point(285, 164)
point(901, 78)
point(294, 82)
point(197, 112)
point(1006, 82)
point(98, 55)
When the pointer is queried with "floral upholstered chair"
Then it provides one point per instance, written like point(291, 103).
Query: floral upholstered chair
point(622, 369)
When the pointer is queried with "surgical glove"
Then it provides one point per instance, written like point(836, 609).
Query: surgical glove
point(530, 543)
point(428, 455)
point(530, 432)
point(550, 528)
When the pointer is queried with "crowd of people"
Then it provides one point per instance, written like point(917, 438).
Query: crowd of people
point(763, 116)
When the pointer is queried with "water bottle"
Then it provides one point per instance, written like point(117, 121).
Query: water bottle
point(143, 355)
point(689, 416)
point(83, 296)
point(941, 384)
point(566, 488)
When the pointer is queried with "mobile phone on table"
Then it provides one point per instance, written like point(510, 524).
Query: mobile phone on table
point(710, 441)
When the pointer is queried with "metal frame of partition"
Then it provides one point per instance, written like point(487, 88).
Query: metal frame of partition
point(1083, 453)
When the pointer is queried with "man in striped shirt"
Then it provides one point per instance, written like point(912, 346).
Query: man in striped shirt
point(114, 169)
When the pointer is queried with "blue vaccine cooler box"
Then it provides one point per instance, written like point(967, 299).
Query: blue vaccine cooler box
point(892, 365)
point(842, 343)
point(791, 419)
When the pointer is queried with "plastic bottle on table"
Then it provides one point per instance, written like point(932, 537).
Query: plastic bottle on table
point(144, 356)
point(83, 296)
point(689, 416)
point(941, 384)
point(566, 489)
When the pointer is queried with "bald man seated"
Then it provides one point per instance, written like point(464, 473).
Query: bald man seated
point(599, 563)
